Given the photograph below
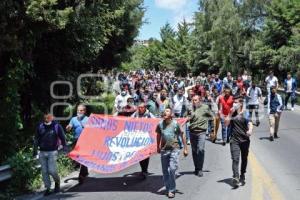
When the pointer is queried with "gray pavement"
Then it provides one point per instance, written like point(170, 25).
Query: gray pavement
point(273, 172)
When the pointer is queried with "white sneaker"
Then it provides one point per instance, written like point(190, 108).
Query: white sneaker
point(292, 109)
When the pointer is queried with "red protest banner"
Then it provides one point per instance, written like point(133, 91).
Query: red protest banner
point(110, 144)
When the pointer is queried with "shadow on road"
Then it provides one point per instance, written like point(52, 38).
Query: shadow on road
point(264, 138)
point(228, 181)
point(127, 183)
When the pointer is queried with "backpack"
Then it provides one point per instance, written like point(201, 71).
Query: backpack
point(56, 129)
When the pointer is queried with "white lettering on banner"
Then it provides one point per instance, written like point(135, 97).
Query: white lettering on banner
point(125, 145)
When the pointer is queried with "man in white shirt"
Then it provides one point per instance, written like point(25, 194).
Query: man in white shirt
point(271, 81)
point(121, 101)
point(179, 103)
point(254, 95)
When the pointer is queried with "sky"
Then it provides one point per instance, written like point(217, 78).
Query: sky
point(159, 12)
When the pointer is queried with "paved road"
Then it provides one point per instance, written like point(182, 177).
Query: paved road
point(273, 173)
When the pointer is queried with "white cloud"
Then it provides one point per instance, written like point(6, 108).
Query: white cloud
point(182, 15)
point(171, 4)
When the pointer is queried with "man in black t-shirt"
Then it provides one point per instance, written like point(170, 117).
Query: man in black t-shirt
point(241, 130)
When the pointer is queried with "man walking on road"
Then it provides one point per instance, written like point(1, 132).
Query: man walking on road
point(290, 87)
point(168, 132)
point(77, 123)
point(271, 81)
point(48, 137)
point(275, 107)
point(226, 103)
point(254, 94)
point(241, 126)
point(143, 112)
point(199, 116)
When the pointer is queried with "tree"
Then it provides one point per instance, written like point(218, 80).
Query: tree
point(46, 40)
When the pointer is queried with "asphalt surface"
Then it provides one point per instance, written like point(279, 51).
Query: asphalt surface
point(273, 172)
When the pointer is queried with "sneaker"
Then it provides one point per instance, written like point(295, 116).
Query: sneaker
point(144, 175)
point(47, 192)
point(257, 123)
point(292, 109)
point(224, 143)
point(271, 138)
point(242, 179)
point(57, 188)
point(235, 182)
point(276, 136)
point(81, 179)
point(188, 142)
point(198, 173)
point(171, 195)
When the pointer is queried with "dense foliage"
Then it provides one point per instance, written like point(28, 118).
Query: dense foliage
point(42, 41)
point(229, 35)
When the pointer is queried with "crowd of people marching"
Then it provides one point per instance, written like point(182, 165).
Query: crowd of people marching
point(206, 101)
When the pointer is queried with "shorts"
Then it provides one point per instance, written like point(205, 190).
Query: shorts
point(253, 107)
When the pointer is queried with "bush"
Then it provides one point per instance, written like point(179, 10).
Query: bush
point(27, 176)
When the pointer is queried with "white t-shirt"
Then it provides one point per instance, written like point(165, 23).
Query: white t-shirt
point(271, 81)
point(254, 95)
point(178, 103)
point(121, 101)
point(245, 77)
point(289, 85)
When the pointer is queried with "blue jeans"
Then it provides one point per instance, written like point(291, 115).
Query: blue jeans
point(198, 151)
point(226, 131)
point(48, 164)
point(210, 126)
point(169, 163)
point(187, 131)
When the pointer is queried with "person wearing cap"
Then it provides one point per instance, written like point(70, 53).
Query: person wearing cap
point(275, 107)
point(241, 130)
point(143, 112)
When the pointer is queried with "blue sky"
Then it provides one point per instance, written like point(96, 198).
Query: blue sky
point(159, 12)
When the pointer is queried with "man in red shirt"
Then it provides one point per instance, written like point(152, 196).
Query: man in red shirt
point(198, 89)
point(226, 102)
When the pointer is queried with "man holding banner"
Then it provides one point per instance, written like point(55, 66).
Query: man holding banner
point(168, 133)
point(143, 112)
point(77, 124)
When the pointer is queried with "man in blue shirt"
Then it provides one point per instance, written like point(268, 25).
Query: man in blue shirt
point(275, 106)
point(77, 124)
point(290, 87)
